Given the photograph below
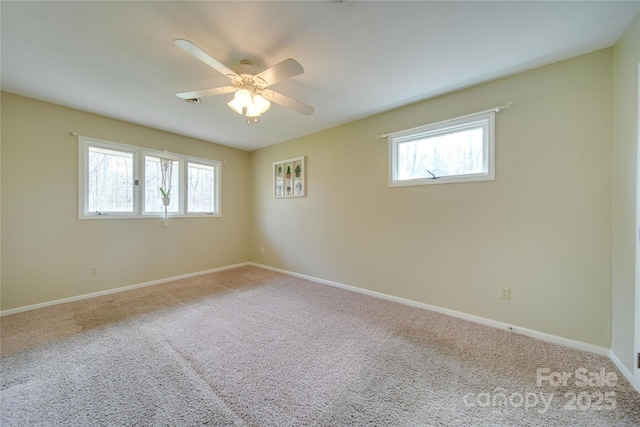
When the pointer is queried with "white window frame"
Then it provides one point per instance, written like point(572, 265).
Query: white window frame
point(139, 153)
point(486, 120)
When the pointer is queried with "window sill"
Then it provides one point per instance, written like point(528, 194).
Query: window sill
point(150, 216)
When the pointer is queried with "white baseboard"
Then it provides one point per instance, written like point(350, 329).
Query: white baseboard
point(116, 290)
point(477, 319)
point(579, 345)
point(626, 372)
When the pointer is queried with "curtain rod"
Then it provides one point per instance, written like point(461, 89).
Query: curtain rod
point(495, 109)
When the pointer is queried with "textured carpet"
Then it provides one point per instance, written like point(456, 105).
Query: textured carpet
point(251, 347)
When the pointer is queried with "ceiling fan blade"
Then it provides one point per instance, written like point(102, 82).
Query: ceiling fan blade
point(203, 56)
point(291, 103)
point(206, 92)
point(279, 72)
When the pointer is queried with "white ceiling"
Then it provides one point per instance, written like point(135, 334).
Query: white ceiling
point(118, 59)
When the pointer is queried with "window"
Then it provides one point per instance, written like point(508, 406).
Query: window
point(200, 184)
point(124, 181)
point(457, 150)
point(153, 181)
point(110, 180)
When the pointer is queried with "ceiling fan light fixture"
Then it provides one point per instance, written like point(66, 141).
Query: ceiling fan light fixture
point(236, 106)
point(261, 104)
point(252, 110)
point(243, 97)
point(252, 113)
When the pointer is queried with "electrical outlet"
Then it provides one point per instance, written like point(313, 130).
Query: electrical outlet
point(504, 293)
point(262, 249)
point(93, 271)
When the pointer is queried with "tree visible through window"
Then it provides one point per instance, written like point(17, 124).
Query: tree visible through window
point(456, 150)
point(200, 185)
point(457, 153)
point(110, 180)
point(118, 180)
point(153, 182)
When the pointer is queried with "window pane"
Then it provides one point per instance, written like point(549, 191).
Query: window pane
point(153, 181)
point(110, 181)
point(200, 188)
point(454, 153)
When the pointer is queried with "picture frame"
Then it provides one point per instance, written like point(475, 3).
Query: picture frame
point(289, 178)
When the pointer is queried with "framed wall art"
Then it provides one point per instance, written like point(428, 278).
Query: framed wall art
point(288, 178)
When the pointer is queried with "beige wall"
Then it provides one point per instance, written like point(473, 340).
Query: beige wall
point(47, 251)
point(625, 170)
point(542, 228)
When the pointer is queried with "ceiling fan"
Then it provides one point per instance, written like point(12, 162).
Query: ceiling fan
point(252, 97)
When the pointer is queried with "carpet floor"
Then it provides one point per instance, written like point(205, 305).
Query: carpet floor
point(252, 347)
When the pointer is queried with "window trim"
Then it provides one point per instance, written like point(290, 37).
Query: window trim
point(139, 153)
point(487, 118)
